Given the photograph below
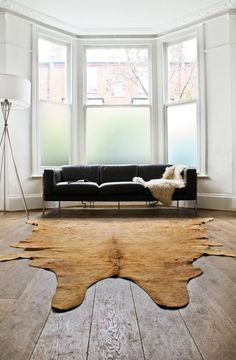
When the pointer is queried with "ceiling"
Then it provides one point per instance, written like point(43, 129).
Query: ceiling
point(118, 17)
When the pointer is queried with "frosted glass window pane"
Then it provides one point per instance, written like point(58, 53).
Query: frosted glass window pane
point(54, 133)
point(182, 134)
point(118, 135)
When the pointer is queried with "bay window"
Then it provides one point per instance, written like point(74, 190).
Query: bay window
point(117, 115)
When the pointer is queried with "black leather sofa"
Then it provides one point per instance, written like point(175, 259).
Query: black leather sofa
point(91, 183)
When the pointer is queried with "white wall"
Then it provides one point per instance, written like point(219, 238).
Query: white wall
point(2, 42)
point(218, 190)
point(16, 49)
point(2, 70)
point(233, 103)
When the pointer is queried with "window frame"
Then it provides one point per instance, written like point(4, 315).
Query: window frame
point(117, 43)
point(172, 39)
point(55, 37)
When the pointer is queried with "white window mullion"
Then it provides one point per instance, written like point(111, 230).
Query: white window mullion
point(34, 131)
point(202, 162)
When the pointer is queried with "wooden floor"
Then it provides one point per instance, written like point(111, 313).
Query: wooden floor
point(117, 320)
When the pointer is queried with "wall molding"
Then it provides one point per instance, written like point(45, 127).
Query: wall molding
point(15, 8)
point(222, 7)
point(16, 45)
point(219, 47)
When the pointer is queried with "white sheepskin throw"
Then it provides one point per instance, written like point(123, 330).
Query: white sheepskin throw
point(163, 189)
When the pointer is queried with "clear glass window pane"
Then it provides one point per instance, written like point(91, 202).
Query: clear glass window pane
point(52, 71)
point(117, 75)
point(118, 135)
point(54, 133)
point(182, 71)
point(182, 134)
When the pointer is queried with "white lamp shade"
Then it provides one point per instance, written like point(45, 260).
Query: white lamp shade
point(16, 90)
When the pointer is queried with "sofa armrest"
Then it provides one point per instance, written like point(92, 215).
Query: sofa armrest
point(50, 179)
point(190, 178)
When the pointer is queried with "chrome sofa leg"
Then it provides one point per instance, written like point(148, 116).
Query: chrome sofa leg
point(59, 207)
point(195, 207)
point(153, 203)
point(84, 204)
point(177, 207)
point(44, 208)
point(118, 206)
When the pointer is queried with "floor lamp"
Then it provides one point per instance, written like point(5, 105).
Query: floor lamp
point(14, 94)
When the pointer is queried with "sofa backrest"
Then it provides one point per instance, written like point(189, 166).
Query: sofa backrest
point(148, 172)
point(80, 172)
point(113, 173)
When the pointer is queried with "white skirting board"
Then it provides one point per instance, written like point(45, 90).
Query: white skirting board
point(33, 201)
point(216, 201)
point(205, 201)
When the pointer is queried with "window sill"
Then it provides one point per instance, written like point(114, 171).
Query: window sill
point(36, 176)
point(203, 176)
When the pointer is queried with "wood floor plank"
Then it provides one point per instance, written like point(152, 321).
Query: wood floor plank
point(20, 329)
point(220, 232)
point(114, 333)
point(12, 230)
point(228, 224)
point(14, 281)
point(163, 332)
point(213, 333)
point(218, 287)
point(225, 264)
point(5, 305)
point(65, 335)
point(6, 265)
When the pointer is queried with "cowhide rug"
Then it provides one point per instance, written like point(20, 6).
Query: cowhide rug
point(155, 254)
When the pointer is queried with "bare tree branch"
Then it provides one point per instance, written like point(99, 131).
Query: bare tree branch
point(134, 72)
point(188, 80)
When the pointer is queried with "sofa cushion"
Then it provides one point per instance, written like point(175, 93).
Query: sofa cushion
point(148, 172)
point(81, 172)
point(76, 188)
point(122, 187)
point(115, 173)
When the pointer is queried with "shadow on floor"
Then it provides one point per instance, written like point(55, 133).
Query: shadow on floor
point(123, 212)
